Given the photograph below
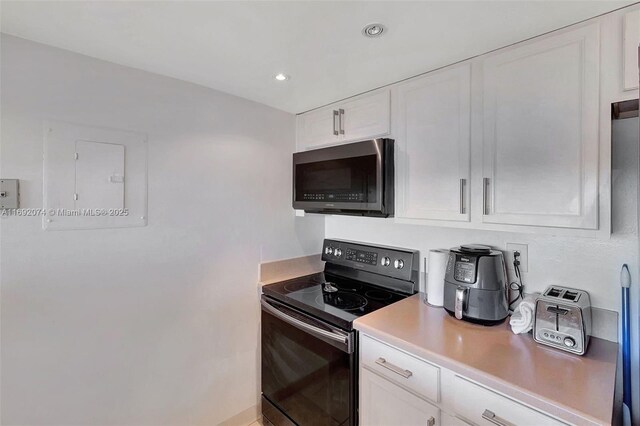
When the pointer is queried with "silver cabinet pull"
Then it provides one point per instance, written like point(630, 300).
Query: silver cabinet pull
point(463, 182)
point(431, 421)
point(404, 373)
point(341, 124)
point(335, 114)
point(485, 194)
point(490, 416)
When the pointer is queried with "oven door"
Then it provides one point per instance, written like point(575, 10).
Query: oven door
point(347, 177)
point(308, 369)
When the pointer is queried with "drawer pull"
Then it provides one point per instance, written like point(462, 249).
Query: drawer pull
point(490, 416)
point(383, 363)
point(431, 421)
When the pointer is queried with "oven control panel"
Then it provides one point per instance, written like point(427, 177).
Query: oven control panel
point(389, 261)
point(368, 257)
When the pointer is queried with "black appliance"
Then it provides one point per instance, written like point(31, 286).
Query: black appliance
point(475, 285)
point(309, 346)
point(354, 179)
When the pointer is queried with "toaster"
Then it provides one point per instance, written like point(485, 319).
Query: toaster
point(563, 319)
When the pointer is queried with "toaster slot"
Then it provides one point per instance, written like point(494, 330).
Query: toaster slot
point(553, 292)
point(571, 295)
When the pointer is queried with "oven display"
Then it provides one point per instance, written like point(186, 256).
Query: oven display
point(368, 257)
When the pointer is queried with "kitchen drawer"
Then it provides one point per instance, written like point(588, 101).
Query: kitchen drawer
point(472, 401)
point(409, 372)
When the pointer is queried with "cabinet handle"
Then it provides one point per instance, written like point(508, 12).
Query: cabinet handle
point(463, 182)
point(490, 416)
point(431, 421)
point(485, 194)
point(335, 114)
point(404, 373)
point(341, 125)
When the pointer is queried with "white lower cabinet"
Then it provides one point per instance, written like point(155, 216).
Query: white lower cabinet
point(399, 389)
point(382, 403)
point(449, 420)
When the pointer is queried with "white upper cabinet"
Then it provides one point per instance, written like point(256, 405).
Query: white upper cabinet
point(318, 127)
point(540, 162)
point(431, 118)
point(630, 51)
point(367, 117)
point(364, 117)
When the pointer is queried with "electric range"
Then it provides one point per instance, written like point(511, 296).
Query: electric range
point(332, 298)
point(309, 346)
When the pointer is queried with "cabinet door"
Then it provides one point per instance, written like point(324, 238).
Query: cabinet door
point(449, 420)
point(432, 128)
point(541, 132)
point(317, 128)
point(384, 404)
point(367, 117)
point(630, 52)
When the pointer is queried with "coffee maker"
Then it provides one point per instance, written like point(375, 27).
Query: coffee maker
point(475, 285)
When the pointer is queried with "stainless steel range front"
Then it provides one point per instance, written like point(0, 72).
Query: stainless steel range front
point(309, 347)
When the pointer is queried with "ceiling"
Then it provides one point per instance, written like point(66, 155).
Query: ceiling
point(238, 47)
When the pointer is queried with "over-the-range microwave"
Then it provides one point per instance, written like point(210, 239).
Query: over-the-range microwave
point(353, 179)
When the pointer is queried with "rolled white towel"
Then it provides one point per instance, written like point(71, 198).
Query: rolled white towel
point(522, 318)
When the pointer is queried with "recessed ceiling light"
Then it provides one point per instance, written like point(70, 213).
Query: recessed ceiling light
point(281, 77)
point(373, 30)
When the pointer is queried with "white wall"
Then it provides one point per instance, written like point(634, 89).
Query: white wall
point(153, 325)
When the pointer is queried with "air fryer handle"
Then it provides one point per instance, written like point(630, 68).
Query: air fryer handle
point(461, 295)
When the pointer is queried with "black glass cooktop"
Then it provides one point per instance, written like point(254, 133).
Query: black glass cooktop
point(335, 299)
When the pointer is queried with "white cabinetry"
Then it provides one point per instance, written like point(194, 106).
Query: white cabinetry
point(364, 117)
point(412, 391)
point(431, 118)
point(481, 405)
point(385, 404)
point(316, 128)
point(540, 145)
point(630, 52)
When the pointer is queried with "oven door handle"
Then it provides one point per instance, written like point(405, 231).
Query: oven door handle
point(340, 338)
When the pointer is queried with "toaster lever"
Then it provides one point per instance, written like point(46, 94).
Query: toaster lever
point(557, 310)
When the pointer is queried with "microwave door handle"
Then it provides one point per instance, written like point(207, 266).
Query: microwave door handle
point(340, 338)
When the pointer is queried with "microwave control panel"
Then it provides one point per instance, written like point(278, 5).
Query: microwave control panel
point(342, 197)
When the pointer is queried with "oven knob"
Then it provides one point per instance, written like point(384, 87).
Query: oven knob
point(398, 264)
point(328, 250)
point(569, 342)
point(337, 252)
point(385, 261)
